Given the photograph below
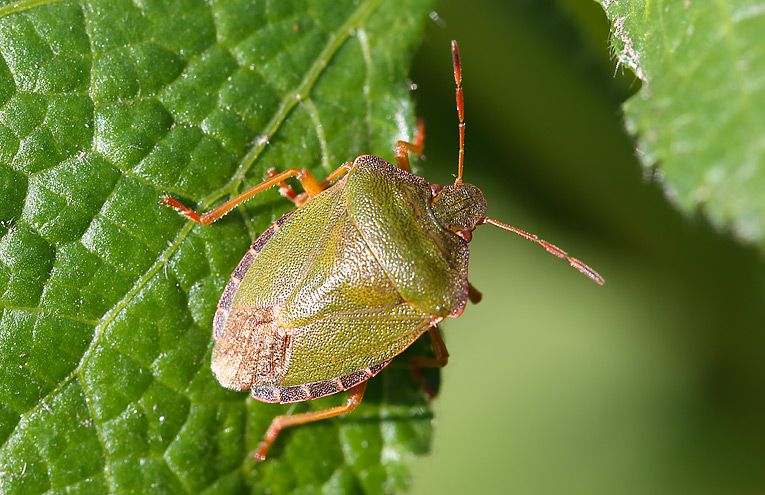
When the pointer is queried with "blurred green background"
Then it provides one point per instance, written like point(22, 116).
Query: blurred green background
point(651, 384)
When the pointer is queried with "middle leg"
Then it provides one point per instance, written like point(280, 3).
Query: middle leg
point(440, 360)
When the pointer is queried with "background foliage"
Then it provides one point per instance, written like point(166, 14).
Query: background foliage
point(655, 382)
point(698, 115)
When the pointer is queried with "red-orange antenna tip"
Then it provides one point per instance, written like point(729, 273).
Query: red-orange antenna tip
point(589, 272)
point(457, 65)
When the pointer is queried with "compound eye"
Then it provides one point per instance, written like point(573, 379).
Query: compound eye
point(435, 190)
point(467, 235)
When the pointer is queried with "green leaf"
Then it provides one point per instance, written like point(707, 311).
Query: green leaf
point(700, 114)
point(107, 297)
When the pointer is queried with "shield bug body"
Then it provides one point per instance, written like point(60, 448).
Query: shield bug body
point(335, 289)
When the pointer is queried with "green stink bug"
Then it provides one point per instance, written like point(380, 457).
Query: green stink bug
point(371, 258)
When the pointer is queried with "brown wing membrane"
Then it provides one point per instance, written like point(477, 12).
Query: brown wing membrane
point(254, 350)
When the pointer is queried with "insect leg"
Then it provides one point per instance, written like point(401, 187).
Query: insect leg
point(474, 294)
point(442, 357)
point(289, 193)
point(281, 422)
point(309, 183)
point(403, 147)
point(338, 172)
point(285, 189)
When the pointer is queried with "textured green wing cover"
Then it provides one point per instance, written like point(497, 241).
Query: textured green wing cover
point(332, 295)
point(340, 343)
point(427, 264)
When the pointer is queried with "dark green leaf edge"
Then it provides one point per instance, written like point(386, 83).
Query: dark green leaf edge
point(702, 148)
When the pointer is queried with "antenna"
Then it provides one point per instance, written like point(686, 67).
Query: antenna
point(589, 272)
point(460, 108)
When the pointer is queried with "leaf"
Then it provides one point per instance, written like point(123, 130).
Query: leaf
point(107, 297)
point(700, 114)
